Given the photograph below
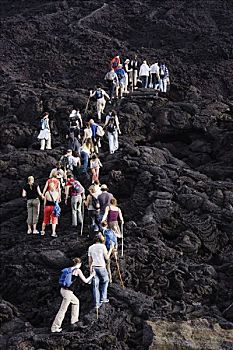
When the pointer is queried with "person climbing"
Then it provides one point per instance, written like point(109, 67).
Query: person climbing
point(164, 77)
point(120, 72)
point(95, 165)
point(112, 131)
point(112, 81)
point(96, 184)
point(67, 160)
point(76, 191)
point(76, 164)
point(68, 282)
point(144, 73)
point(128, 75)
point(112, 215)
point(109, 236)
point(61, 176)
point(52, 180)
point(87, 133)
point(51, 197)
point(112, 114)
point(73, 142)
point(134, 71)
point(31, 191)
point(93, 206)
point(95, 137)
point(75, 122)
point(154, 72)
point(100, 96)
point(97, 254)
point(115, 62)
point(45, 133)
point(104, 199)
point(85, 152)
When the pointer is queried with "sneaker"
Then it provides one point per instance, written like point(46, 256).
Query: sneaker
point(42, 233)
point(104, 301)
point(35, 232)
point(54, 235)
point(29, 232)
point(56, 330)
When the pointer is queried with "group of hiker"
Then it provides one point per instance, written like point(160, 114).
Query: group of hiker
point(105, 219)
point(129, 75)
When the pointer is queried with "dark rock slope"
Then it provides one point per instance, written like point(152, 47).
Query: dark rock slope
point(173, 173)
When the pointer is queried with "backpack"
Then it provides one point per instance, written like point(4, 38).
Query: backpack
point(100, 131)
point(77, 187)
point(95, 202)
point(111, 128)
point(57, 210)
point(98, 94)
point(65, 162)
point(42, 124)
point(65, 279)
point(120, 75)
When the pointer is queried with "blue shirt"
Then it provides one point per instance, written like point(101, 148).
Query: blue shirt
point(94, 130)
point(109, 236)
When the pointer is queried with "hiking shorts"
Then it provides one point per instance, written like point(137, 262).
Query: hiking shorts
point(49, 217)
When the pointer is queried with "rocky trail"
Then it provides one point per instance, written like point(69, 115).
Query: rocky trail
point(173, 173)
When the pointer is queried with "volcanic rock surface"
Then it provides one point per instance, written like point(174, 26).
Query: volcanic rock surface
point(173, 174)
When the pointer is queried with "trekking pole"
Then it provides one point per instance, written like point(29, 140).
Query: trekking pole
point(87, 105)
point(119, 272)
point(82, 218)
point(122, 243)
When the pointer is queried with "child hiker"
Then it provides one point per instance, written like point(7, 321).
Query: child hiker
point(95, 165)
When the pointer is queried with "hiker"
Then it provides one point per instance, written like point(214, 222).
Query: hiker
point(85, 152)
point(45, 133)
point(97, 254)
point(120, 72)
point(73, 142)
point(77, 193)
point(100, 96)
point(76, 164)
point(68, 282)
point(50, 198)
point(67, 160)
point(144, 73)
point(115, 62)
point(109, 236)
point(134, 71)
point(164, 77)
point(32, 193)
point(93, 206)
point(95, 137)
point(128, 75)
point(61, 176)
point(154, 72)
point(112, 131)
point(98, 191)
point(52, 180)
point(112, 81)
point(112, 114)
point(75, 122)
point(95, 165)
point(104, 199)
point(112, 215)
point(87, 133)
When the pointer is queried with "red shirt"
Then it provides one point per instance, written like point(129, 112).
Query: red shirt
point(115, 62)
point(55, 181)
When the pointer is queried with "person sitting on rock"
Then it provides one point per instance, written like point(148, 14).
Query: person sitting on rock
point(50, 198)
point(32, 192)
point(144, 73)
point(164, 77)
point(110, 237)
point(100, 96)
point(97, 254)
point(120, 72)
point(112, 81)
point(95, 165)
point(45, 133)
point(112, 215)
point(67, 293)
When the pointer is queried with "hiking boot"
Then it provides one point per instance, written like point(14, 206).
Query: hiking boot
point(56, 330)
point(54, 235)
point(104, 301)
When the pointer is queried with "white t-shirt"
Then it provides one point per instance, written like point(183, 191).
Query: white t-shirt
point(97, 251)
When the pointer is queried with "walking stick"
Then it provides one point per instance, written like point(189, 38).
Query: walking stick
point(87, 105)
point(82, 218)
point(118, 269)
point(122, 243)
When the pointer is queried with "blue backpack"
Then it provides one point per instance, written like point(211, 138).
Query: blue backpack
point(42, 124)
point(65, 279)
point(57, 210)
